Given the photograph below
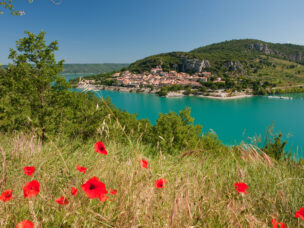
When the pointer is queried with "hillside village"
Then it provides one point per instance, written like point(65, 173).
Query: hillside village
point(158, 78)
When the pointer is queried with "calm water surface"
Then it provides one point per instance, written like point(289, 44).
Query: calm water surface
point(232, 120)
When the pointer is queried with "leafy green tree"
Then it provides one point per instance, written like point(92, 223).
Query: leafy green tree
point(33, 85)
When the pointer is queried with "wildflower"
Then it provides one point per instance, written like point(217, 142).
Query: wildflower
point(74, 191)
point(241, 187)
point(62, 201)
point(103, 197)
point(31, 189)
point(113, 191)
point(144, 163)
point(81, 169)
point(6, 195)
point(276, 224)
point(94, 188)
point(300, 213)
point(29, 170)
point(160, 183)
point(100, 148)
point(25, 224)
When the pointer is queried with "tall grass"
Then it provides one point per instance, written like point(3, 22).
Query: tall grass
point(199, 191)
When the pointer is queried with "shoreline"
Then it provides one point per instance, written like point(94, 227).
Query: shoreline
point(219, 96)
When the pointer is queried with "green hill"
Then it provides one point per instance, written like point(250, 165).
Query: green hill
point(253, 58)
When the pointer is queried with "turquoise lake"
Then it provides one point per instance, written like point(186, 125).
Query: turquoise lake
point(232, 120)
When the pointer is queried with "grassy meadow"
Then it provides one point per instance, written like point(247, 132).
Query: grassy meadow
point(199, 189)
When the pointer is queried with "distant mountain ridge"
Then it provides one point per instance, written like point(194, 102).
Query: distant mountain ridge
point(91, 68)
point(242, 57)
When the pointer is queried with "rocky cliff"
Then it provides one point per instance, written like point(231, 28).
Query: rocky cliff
point(194, 65)
point(233, 66)
point(296, 56)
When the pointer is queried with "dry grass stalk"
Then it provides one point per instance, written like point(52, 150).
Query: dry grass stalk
point(3, 179)
point(255, 155)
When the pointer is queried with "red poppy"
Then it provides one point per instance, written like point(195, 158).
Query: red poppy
point(144, 163)
point(81, 169)
point(31, 189)
point(300, 213)
point(160, 183)
point(241, 187)
point(74, 191)
point(62, 201)
point(113, 191)
point(100, 148)
point(6, 195)
point(103, 197)
point(29, 170)
point(25, 224)
point(276, 224)
point(94, 188)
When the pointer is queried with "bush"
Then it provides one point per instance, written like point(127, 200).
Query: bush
point(174, 132)
point(163, 92)
point(274, 146)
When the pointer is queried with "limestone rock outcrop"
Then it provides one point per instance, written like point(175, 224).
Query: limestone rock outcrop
point(233, 66)
point(194, 65)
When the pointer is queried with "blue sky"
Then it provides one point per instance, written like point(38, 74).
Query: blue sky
point(122, 31)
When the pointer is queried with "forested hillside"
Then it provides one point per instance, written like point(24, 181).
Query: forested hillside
point(247, 58)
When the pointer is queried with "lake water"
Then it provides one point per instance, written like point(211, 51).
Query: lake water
point(232, 120)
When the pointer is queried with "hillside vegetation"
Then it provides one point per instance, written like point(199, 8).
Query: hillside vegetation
point(254, 59)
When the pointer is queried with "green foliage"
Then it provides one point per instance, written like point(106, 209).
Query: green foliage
point(35, 98)
point(274, 146)
point(174, 132)
point(166, 89)
point(188, 91)
point(8, 4)
point(211, 143)
point(28, 84)
point(163, 91)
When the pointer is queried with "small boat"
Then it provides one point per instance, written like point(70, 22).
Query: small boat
point(280, 97)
